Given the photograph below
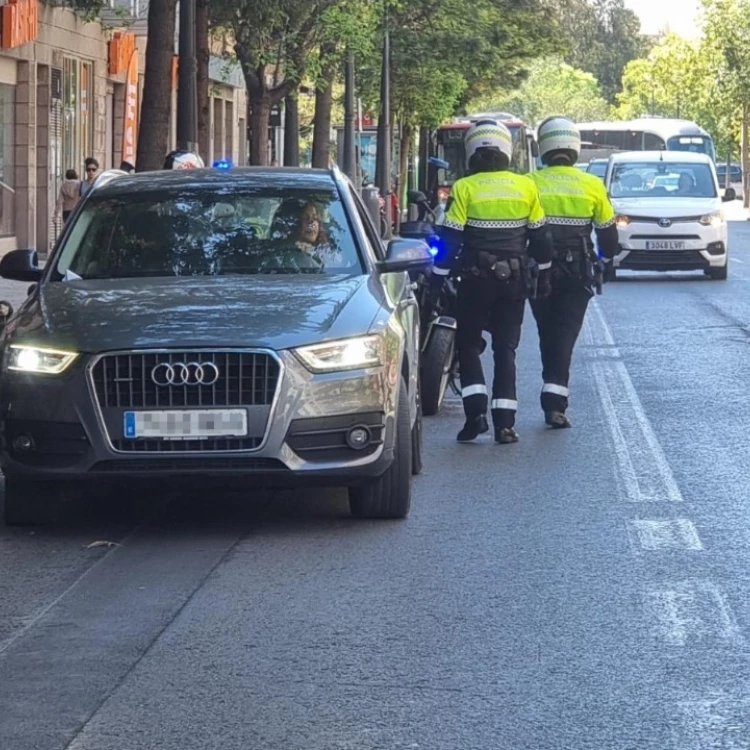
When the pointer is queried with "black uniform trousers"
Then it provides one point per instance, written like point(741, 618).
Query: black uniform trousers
point(559, 319)
point(486, 304)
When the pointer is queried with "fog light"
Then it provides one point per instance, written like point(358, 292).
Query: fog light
point(358, 437)
point(23, 443)
point(716, 248)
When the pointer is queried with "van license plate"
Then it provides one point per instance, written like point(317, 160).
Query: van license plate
point(665, 245)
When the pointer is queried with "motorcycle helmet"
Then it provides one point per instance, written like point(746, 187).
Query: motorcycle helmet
point(558, 136)
point(488, 134)
point(179, 159)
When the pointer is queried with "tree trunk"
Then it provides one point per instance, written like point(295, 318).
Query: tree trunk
point(156, 110)
point(203, 39)
point(291, 131)
point(403, 170)
point(323, 105)
point(260, 113)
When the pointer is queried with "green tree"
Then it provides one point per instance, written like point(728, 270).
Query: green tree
point(552, 88)
point(601, 38)
point(681, 79)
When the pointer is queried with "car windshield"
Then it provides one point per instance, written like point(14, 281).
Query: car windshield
point(599, 168)
point(666, 180)
point(210, 232)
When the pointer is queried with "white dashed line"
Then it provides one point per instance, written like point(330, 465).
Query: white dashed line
point(673, 534)
point(644, 471)
point(693, 613)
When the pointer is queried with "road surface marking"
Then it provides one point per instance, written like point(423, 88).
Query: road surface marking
point(673, 534)
point(693, 613)
point(736, 260)
point(720, 722)
point(644, 471)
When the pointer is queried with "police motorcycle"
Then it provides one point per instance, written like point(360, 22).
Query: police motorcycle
point(439, 363)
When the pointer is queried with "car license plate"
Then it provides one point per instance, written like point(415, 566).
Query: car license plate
point(186, 424)
point(665, 245)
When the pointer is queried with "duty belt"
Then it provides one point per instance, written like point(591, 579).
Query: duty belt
point(513, 268)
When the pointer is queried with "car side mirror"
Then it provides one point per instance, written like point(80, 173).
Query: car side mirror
point(406, 255)
point(730, 194)
point(21, 265)
point(534, 149)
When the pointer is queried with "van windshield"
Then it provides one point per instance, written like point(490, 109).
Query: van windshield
point(666, 180)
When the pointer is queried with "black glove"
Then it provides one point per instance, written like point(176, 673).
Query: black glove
point(544, 285)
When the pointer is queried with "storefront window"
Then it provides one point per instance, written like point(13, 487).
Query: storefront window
point(7, 162)
point(78, 131)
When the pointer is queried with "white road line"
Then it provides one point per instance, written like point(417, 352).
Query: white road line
point(737, 260)
point(693, 613)
point(717, 722)
point(643, 468)
point(672, 534)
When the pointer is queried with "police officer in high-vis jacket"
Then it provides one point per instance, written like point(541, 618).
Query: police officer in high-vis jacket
point(575, 204)
point(495, 237)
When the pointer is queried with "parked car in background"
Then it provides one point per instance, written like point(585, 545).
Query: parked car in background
point(735, 178)
point(598, 167)
point(669, 212)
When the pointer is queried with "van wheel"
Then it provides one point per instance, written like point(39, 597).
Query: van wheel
point(719, 274)
point(389, 496)
point(29, 503)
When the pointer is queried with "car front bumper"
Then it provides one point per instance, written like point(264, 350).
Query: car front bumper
point(300, 434)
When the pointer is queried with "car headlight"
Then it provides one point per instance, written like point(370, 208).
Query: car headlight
point(35, 359)
point(622, 222)
point(712, 220)
point(346, 354)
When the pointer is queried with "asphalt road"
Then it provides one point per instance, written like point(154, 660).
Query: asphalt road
point(583, 590)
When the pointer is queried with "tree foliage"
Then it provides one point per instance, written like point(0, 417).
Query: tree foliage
point(552, 88)
point(601, 38)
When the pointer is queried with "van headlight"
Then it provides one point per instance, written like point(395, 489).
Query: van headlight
point(346, 354)
point(712, 220)
point(622, 222)
point(35, 359)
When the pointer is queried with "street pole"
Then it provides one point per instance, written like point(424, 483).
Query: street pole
point(350, 160)
point(187, 91)
point(384, 125)
point(291, 131)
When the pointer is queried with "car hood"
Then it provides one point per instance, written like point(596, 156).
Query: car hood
point(277, 312)
point(666, 208)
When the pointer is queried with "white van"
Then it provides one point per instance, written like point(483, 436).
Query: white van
point(669, 212)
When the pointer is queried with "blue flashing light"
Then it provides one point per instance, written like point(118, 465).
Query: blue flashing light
point(223, 164)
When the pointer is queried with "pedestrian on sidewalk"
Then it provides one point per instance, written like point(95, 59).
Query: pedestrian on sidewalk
point(92, 170)
point(70, 193)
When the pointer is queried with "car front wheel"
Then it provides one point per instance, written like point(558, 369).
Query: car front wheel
point(29, 503)
point(389, 496)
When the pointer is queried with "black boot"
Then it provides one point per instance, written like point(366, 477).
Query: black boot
point(506, 436)
point(473, 429)
point(557, 420)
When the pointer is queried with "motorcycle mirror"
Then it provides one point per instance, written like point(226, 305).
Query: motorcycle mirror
point(416, 197)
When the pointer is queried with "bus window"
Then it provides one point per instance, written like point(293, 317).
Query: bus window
point(520, 162)
point(696, 143)
point(652, 142)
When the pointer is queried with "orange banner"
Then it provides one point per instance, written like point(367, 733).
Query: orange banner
point(120, 51)
point(20, 20)
point(130, 126)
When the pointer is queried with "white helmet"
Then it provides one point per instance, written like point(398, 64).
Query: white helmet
point(559, 134)
point(180, 159)
point(488, 134)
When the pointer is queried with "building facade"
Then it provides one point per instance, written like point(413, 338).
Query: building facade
point(64, 96)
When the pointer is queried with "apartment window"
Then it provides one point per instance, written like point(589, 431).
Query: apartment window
point(7, 162)
point(78, 130)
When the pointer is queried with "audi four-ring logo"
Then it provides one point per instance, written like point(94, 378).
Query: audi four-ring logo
point(185, 373)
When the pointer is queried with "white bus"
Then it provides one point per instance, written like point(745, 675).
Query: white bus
point(644, 134)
